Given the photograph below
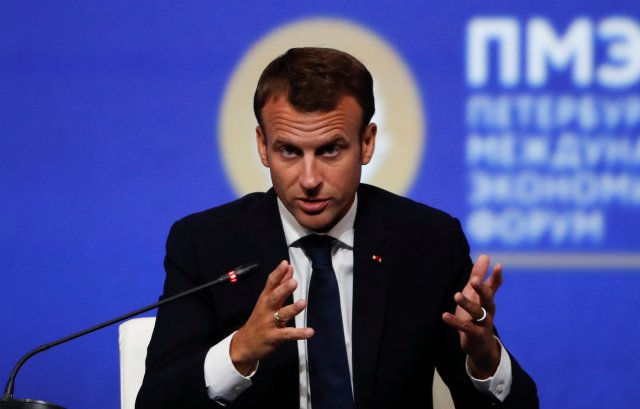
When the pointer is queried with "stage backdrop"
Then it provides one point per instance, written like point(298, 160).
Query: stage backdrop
point(520, 118)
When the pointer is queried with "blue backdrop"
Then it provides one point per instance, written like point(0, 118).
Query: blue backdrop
point(109, 132)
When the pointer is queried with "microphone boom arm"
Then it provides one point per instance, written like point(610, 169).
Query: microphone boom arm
point(231, 276)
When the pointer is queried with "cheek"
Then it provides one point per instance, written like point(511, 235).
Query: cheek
point(347, 178)
point(282, 177)
point(355, 169)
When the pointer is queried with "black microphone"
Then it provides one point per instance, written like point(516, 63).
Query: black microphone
point(8, 402)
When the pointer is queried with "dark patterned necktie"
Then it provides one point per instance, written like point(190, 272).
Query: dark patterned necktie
point(329, 378)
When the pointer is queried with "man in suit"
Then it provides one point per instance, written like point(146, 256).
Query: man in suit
point(410, 298)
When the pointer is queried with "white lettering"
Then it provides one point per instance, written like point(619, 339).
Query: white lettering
point(481, 34)
point(495, 150)
point(567, 153)
point(545, 47)
point(623, 66)
point(531, 188)
point(513, 227)
point(588, 112)
point(535, 150)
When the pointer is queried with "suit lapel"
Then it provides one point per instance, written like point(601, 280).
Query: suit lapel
point(267, 237)
point(371, 275)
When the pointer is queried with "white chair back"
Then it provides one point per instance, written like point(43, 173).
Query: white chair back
point(133, 339)
point(441, 395)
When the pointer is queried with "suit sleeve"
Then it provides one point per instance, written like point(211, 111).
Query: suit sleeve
point(182, 335)
point(451, 364)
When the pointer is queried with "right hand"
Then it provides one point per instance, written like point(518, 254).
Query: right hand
point(262, 334)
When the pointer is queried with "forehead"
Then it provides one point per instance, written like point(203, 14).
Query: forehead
point(280, 118)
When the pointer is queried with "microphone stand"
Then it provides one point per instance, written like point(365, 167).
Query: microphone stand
point(8, 401)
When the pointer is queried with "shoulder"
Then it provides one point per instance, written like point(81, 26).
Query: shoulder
point(240, 206)
point(406, 219)
point(394, 208)
point(231, 217)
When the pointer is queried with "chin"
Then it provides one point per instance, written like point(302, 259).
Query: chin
point(315, 223)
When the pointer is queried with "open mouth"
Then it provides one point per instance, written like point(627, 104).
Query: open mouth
point(312, 206)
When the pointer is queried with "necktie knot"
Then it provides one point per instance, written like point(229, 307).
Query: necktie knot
point(318, 248)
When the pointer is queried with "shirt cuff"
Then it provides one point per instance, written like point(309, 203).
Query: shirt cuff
point(224, 382)
point(498, 385)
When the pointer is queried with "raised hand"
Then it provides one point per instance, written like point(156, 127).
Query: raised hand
point(474, 318)
point(266, 327)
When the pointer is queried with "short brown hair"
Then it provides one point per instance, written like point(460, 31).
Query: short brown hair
point(315, 79)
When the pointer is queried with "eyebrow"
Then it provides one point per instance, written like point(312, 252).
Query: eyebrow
point(279, 141)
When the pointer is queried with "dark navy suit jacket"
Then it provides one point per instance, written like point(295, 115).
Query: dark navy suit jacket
point(398, 333)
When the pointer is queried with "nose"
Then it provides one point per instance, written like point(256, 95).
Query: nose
point(310, 176)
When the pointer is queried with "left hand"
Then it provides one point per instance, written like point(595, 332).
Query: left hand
point(476, 338)
point(262, 334)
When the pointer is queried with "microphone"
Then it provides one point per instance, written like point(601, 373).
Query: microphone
point(8, 402)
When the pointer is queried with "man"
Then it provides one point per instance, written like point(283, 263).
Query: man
point(409, 296)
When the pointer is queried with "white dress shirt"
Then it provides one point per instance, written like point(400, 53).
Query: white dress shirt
point(225, 383)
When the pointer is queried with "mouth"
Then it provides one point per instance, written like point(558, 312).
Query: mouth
point(312, 206)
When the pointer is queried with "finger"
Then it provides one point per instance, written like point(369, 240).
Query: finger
point(289, 312)
point(480, 267)
point(276, 276)
point(278, 318)
point(287, 275)
point(472, 308)
point(484, 292)
point(487, 290)
point(279, 294)
point(284, 287)
point(461, 325)
point(495, 279)
point(294, 334)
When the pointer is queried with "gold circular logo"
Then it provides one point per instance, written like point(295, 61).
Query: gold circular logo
point(401, 125)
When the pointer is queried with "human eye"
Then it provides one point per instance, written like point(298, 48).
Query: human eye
point(288, 151)
point(330, 150)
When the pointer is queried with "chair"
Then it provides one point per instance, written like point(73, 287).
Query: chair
point(441, 395)
point(134, 336)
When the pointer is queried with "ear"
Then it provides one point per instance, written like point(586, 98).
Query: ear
point(368, 143)
point(261, 140)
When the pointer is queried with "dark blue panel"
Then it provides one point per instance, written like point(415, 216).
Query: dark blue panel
point(108, 134)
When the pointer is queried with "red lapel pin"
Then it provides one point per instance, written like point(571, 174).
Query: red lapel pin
point(377, 258)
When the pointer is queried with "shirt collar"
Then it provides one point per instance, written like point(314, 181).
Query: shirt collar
point(342, 231)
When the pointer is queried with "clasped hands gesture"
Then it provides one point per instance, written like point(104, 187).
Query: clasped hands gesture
point(266, 328)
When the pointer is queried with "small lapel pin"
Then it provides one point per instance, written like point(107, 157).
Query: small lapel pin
point(376, 258)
